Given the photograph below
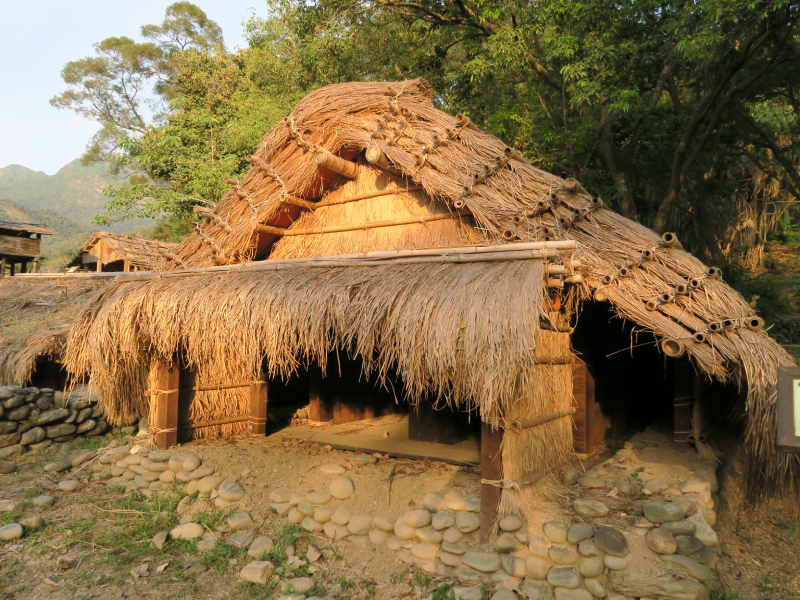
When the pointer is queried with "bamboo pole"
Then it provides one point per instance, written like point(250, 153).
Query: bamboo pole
point(553, 360)
point(370, 225)
point(396, 191)
point(326, 160)
point(520, 424)
point(376, 157)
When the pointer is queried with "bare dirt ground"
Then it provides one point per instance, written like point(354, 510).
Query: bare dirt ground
point(108, 534)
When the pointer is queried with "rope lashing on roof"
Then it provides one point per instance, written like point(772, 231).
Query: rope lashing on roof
point(207, 239)
point(209, 214)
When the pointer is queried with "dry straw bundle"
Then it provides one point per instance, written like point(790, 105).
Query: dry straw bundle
point(646, 278)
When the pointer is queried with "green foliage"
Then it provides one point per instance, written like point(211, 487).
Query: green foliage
point(725, 594)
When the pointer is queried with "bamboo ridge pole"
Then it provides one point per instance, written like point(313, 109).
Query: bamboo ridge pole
point(553, 360)
point(519, 425)
point(326, 160)
point(370, 225)
point(365, 196)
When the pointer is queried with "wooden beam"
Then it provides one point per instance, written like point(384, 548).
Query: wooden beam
point(367, 195)
point(491, 470)
point(3, 267)
point(11, 269)
point(590, 424)
point(167, 404)
point(326, 160)
point(126, 266)
point(258, 407)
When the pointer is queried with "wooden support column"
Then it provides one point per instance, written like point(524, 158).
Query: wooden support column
point(258, 407)
point(11, 269)
point(23, 266)
point(491, 469)
point(36, 263)
point(167, 404)
point(126, 266)
point(683, 402)
point(590, 424)
point(3, 267)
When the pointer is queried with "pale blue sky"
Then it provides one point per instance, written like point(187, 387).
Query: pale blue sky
point(38, 36)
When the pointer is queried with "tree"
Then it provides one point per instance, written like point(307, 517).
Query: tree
point(126, 85)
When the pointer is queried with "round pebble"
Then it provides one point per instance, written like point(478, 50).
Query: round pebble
point(417, 518)
point(319, 498)
point(323, 514)
point(332, 469)
point(453, 536)
point(467, 522)
point(191, 463)
point(429, 535)
point(379, 537)
point(591, 509)
point(383, 522)
point(482, 561)
point(555, 531)
point(360, 525)
point(188, 531)
point(510, 523)
point(12, 531)
point(341, 516)
point(432, 502)
point(443, 520)
point(342, 488)
point(232, 491)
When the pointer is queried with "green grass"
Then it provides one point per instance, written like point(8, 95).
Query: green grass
point(92, 443)
point(725, 595)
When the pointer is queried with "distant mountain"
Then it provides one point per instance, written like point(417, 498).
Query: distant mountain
point(75, 192)
point(56, 249)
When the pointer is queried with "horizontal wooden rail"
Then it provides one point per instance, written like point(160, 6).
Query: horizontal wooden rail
point(519, 425)
point(367, 195)
point(553, 360)
point(204, 388)
point(326, 160)
point(361, 226)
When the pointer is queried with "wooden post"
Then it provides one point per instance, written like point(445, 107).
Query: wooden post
point(590, 424)
point(3, 267)
point(167, 404)
point(258, 407)
point(683, 403)
point(36, 263)
point(126, 266)
point(100, 255)
point(23, 266)
point(491, 469)
point(11, 269)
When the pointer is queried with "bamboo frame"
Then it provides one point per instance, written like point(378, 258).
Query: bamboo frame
point(365, 196)
point(371, 225)
point(520, 424)
point(326, 160)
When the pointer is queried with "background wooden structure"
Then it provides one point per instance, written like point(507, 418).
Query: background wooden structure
point(20, 243)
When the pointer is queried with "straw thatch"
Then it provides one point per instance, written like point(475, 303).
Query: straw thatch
point(146, 255)
point(458, 168)
point(35, 317)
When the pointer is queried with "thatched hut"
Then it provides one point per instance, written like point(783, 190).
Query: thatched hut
point(375, 228)
point(106, 251)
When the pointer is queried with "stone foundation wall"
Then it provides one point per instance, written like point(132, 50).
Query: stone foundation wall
point(34, 418)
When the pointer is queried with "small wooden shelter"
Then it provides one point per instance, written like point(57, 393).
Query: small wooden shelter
point(20, 244)
point(378, 236)
point(105, 251)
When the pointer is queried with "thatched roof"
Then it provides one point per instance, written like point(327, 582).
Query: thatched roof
point(495, 196)
point(26, 227)
point(35, 317)
point(147, 255)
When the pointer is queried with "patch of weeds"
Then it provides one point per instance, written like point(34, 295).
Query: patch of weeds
point(345, 584)
point(725, 594)
point(421, 579)
point(767, 585)
point(256, 591)
point(91, 443)
point(444, 592)
point(638, 484)
point(6, 518)
point(212, 520)
point(396, 578)
point(785, 525)
point(219, 558)
point(33, 493)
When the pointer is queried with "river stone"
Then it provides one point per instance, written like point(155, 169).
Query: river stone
point(279, 496)
point(443, 520)
point(450, 560)
point(69, 485)
point(432, 502)
point(473, 505)
point(589, 549)
point(341, 516)
point(161, 455)
point(282, 508)
point(537, 567)
point(504, 595)
point(591, 509)
point(7, 467)
point(12, 531)
point(660, 541)
point(43, 501)
point(615, 563)
point(456, 503)
point(87, 425)
point(261, 545)
point(323, 514)
point(454, 547)
point(176, 462)
point(10, 439)
point(332, 469)
point(482, 561)
point(403, 531)
point(13, 450)
point(506, 542)
point(590, 567)
point(360, 525)
point(592, 482)
point(42, 445)
point(319, 498)
point(704, 556)
point(453, 536)
point(140, 483)
point(563, 555)
point(14, 402)
point(187, 531)
point(556, 531)
point(467, 522)
point(19, 414)
point(533, 590)
point(570, 477)
point(362, 458)
point(83, 414)
point(241, 520)
point(379, 537)
point(429, 535)
point(688, 545)
point(311, 525)
point(659, 512)
point(579, 532)
point(691, 486)
point(703, 531)
point(394, 544)
point(341, 488)
point(383, 522)
point(240, 539)
point(611, 541)
point(232, 491)
point(595, 587)
point(7, 427)
point(567, 577)
point(198, 474)
point(258, 571)
point(417, 518)
point(656, 485)
point(680, 527)
point(191, 463)
point(207, 484)
point(510, 523)
point(687, 565)
point(426, 552)
point(306, 508)
point(139, 469)
point(34, 522)
point(301, 585)
point(7, 506)
point(60, 430)
point(335, 531)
